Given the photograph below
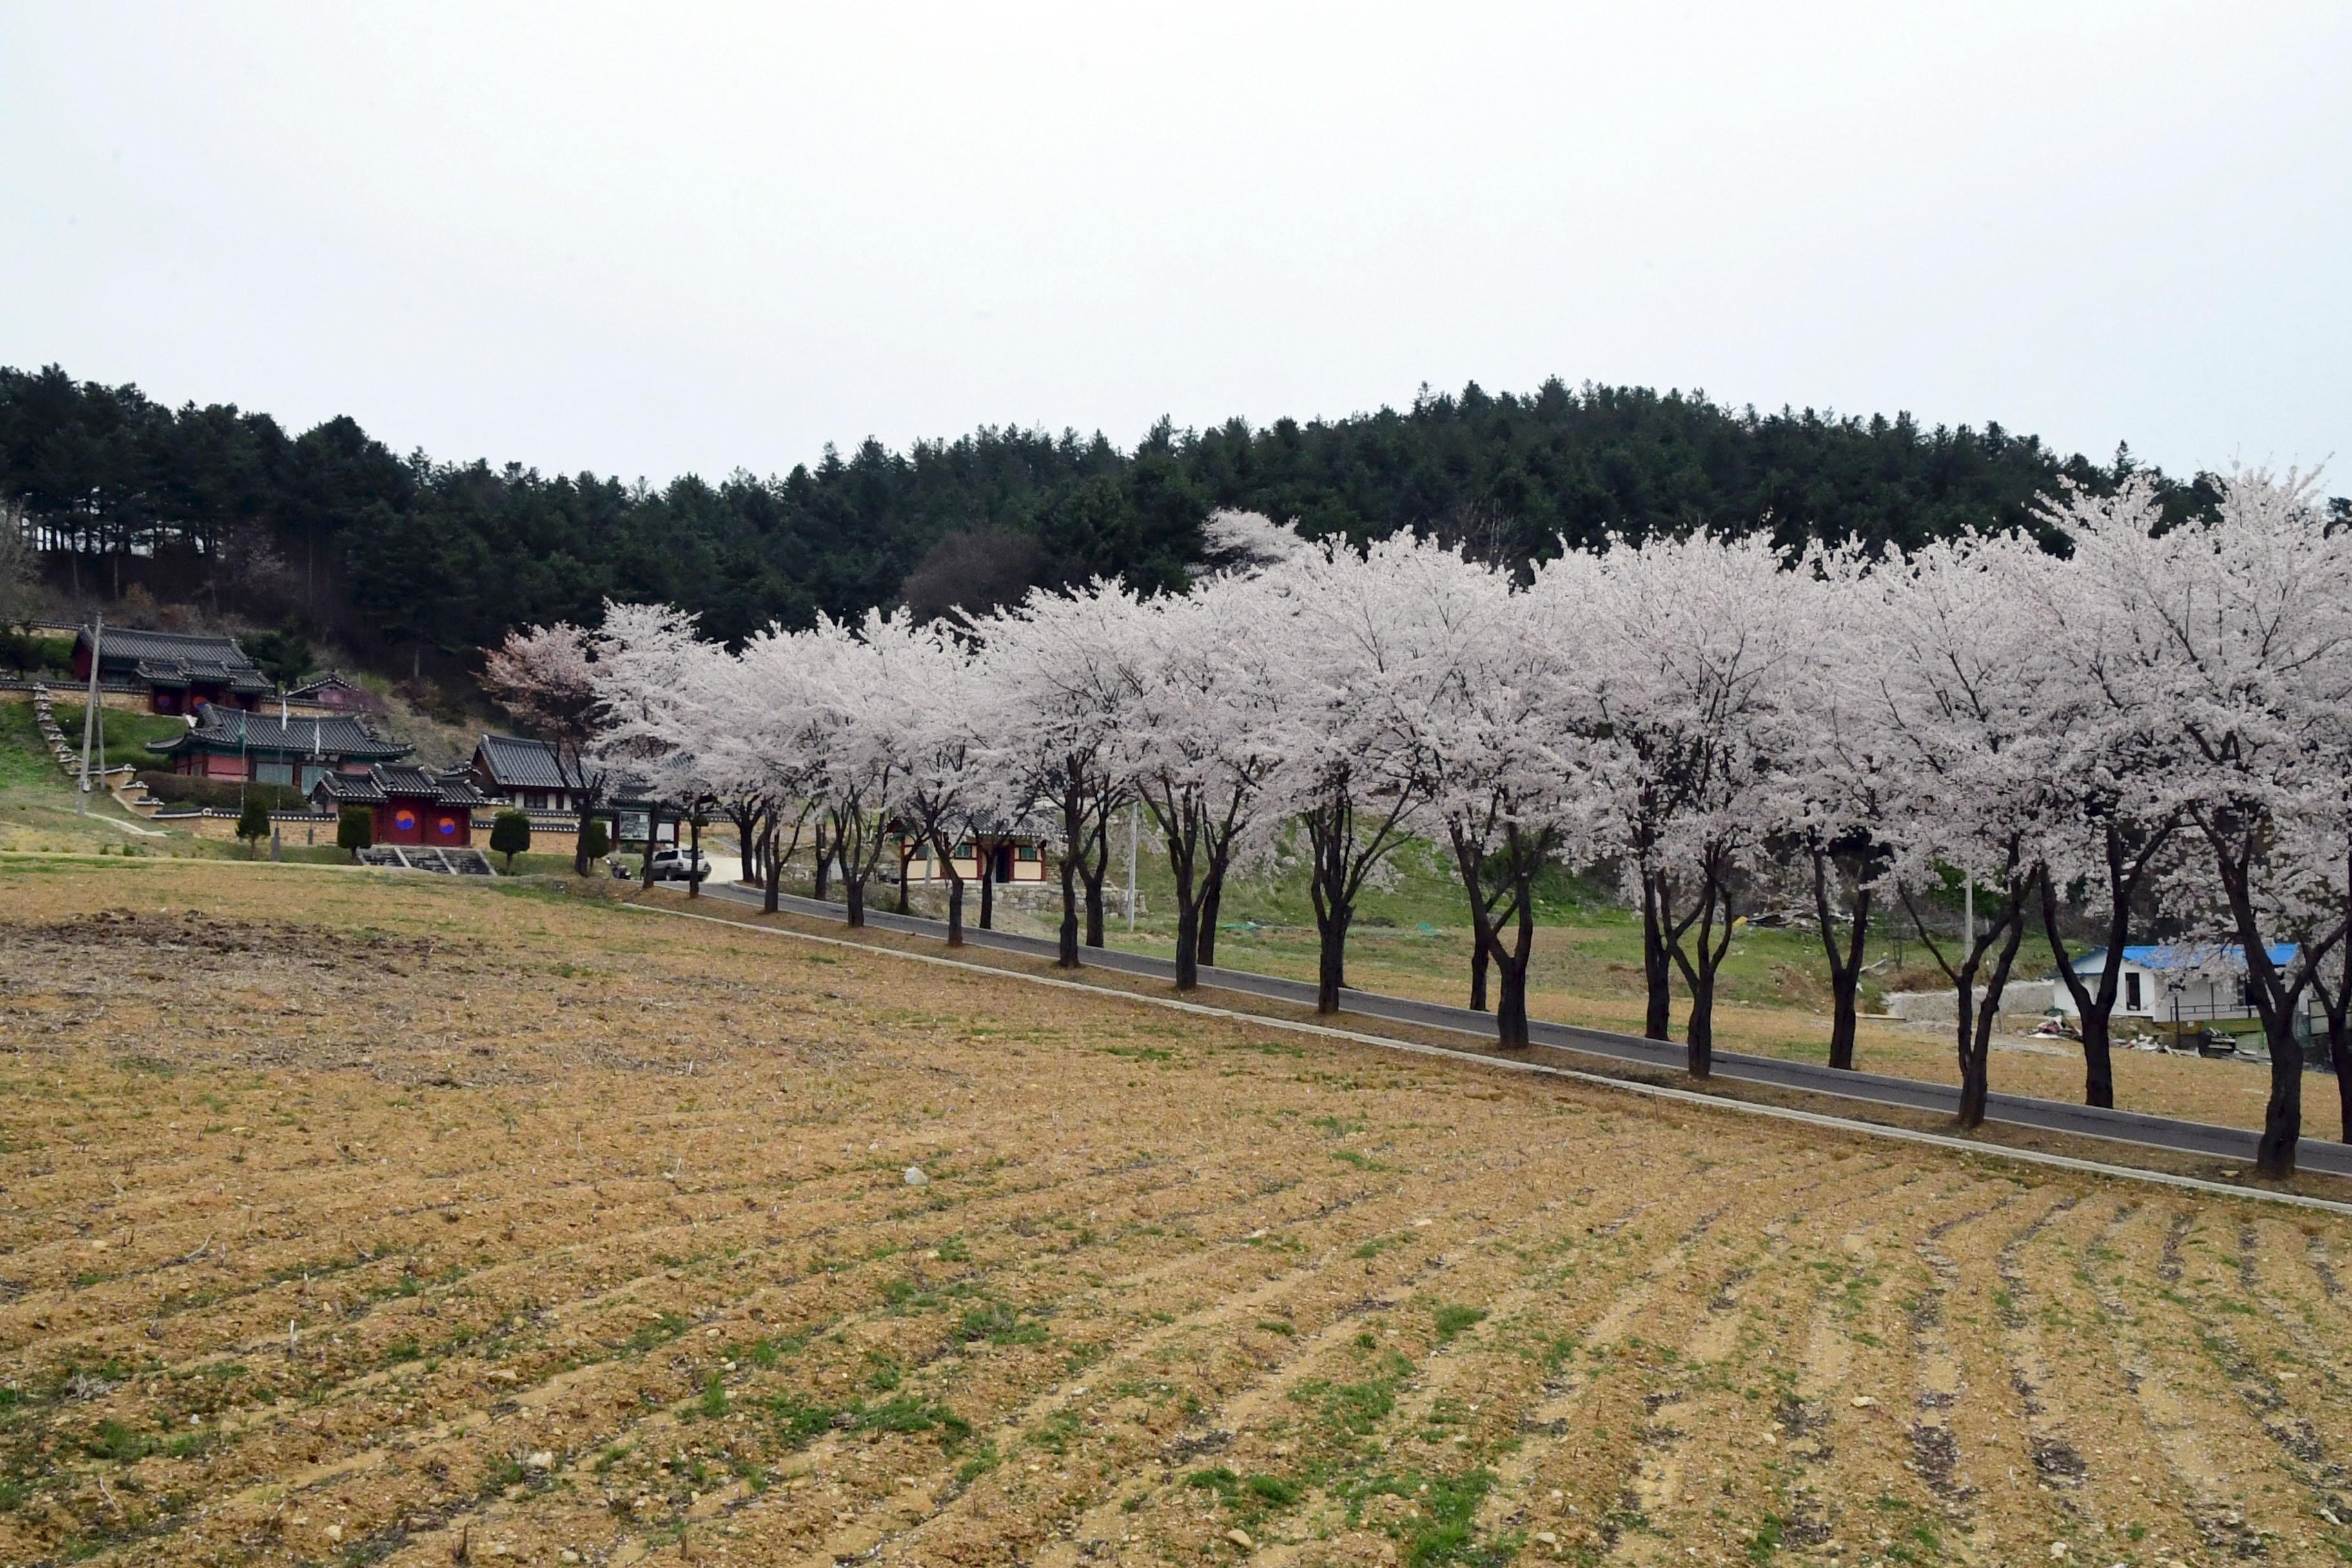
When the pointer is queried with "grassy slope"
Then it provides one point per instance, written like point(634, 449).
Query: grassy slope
point(1412, 939)
point(36, 799)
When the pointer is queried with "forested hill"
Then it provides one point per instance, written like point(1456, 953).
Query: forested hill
point(396, 554)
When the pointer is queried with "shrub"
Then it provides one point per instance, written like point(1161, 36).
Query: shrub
point(600, 842)
point(355, 829)
point(511, 835)
point(253, 825)
point(35, 655)
point(219, 794)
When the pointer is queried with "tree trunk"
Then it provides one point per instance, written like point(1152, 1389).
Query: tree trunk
point(1714, 898)
point(823, 862)
point(1329, 889)
point(772, 864)
point(693, 879)
point(2234, 844)
point(653, 836)
point(1845, 967)
point(1213, 893)
point(1698, 1033)
point(749, 840)
point(1480, 959)
point(1072, 805)
point(2096, 1009)
point(1974, 1081)
point(1094, 885)
point(955, 907)
point(2282, 1117)
point(903, 862)
point(988, 892)
point(1976, 1047)
point(1656, 966)
point(1331, 968)
point(2098, 1063)
point(853, 894)
point(580, 840)
point(1511, 1011)
point(1093, 866)
point(1180, 824)
point(2339, 1056)
point(1068, 954)
point(1842, 988)
point(1188, 937)
point(2338, 1009)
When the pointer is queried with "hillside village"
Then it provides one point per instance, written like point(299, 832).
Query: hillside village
point(312, 754)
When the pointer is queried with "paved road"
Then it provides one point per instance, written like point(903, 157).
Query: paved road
point(1873, 1088)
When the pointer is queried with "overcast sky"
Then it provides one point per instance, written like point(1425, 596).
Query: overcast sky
point(668, 239)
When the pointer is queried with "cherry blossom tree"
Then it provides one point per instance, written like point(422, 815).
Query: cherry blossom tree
point(1051, 711)
point(651, 678)
point(1831, 793)
point(930, 674)
point(545, 677)
point(1196, 743)
point(1487, 707)
point(2110, 835)
point(1696, 646)
point(2233, 637)
point(1352, 777)
point(863, 751)
point(1966, 687)
point(768, 705)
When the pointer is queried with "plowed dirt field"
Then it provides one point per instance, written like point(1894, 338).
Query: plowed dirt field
point(353, 1218)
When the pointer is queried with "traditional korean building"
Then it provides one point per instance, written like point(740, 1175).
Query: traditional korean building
point(410, 805)
point(275, 748)
point(181, 671)
point(1012, 852)
point(332, 691)
point(526, 775)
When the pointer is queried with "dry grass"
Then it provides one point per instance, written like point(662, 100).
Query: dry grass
point(355, 1219)
point(1568, 983)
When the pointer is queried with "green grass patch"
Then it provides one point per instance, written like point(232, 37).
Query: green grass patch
point(1000, 1323)
point(1443, 1531)
point(1453, 1321)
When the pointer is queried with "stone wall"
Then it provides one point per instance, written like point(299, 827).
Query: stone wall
point(2022, 1004)
point(122, 700)
point(296, 829)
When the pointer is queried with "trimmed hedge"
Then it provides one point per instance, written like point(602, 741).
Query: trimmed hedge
point(221, 795)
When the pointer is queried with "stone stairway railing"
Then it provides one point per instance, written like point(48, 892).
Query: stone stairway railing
point(120, 781)
point(430, 858)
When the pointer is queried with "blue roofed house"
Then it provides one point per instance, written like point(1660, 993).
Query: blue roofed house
point(2187, 982)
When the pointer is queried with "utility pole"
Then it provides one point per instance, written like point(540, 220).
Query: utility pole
point(89, 717)
point(1133, 813)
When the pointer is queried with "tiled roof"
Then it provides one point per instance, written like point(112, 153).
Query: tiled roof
point(338, 735)
point(128, 644)
point(381, 783)
point(350, 789)
point(459, 789)
point(200, 672)
point(515, 763)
